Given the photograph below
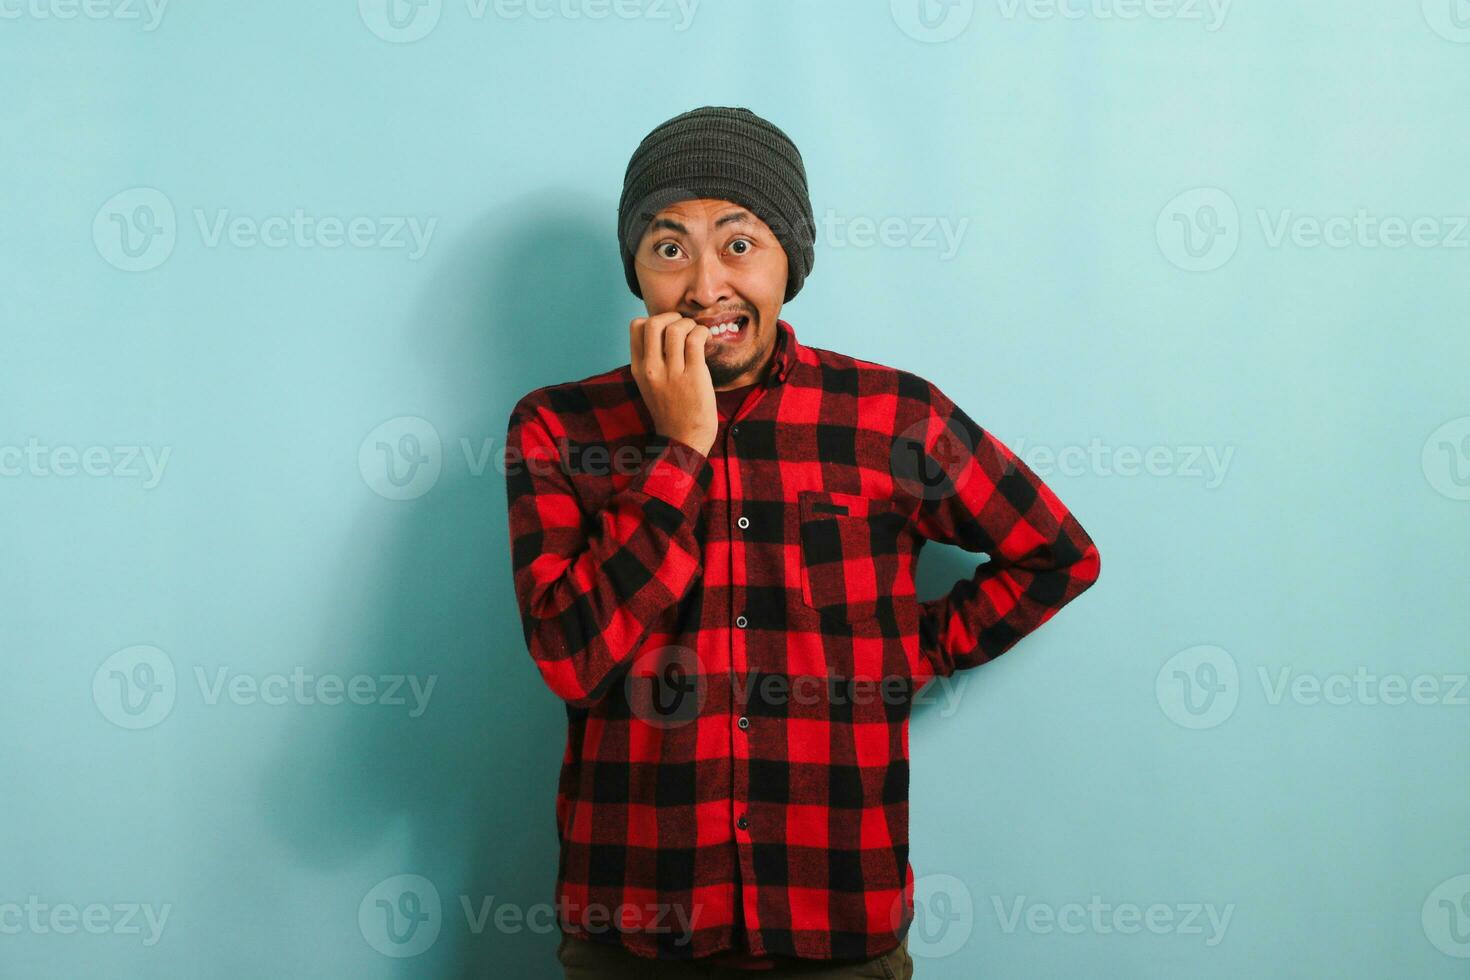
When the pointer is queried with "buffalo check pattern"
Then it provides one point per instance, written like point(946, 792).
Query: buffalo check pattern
point(737, 642)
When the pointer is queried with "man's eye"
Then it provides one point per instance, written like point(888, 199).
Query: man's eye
point(742, 241)
point(666, 245)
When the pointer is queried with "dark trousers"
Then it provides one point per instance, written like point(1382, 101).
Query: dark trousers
point(584, 960)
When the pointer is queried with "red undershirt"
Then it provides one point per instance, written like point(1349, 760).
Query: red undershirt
point(727, 403)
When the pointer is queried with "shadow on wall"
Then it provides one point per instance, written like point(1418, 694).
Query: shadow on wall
point(941, 567)
point(529, 296)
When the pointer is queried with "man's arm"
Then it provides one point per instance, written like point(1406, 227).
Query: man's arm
point(982, 497)
point(590, 586)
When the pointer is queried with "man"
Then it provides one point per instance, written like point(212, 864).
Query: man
point(714, 550)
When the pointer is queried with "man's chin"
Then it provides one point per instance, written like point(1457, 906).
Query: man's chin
point(719, 374)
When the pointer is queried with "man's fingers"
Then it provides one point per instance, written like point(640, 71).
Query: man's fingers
point(664, 321)
point(656, 345)
point(653, 345)
point(694, 344)
point(666, 342)
point(674, 346)
point(635, 341)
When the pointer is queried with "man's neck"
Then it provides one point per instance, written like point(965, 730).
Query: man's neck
point(759, 376)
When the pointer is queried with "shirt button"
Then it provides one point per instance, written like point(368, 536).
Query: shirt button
point(744, 722)
point(742, 823)
point(744, 522)
point(734, 430)
point(740, 621)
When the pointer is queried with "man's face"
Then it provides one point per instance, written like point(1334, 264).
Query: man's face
point(714, 261)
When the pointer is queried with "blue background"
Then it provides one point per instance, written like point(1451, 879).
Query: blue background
point(1117, 186)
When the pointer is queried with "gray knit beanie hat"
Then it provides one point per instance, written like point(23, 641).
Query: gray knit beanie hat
point(726, 153)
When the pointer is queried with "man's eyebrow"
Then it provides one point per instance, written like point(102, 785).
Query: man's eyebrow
point(670, 224)
point(734, 217)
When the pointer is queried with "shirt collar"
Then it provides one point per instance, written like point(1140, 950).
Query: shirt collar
point(784, 358)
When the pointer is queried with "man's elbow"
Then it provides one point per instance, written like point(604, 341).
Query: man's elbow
point(565, 686)
point(1087, 567)
point(565, 674)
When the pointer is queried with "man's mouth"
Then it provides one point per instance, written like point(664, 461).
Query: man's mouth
point(727, 329)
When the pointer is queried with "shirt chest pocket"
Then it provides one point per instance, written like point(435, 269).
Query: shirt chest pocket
point(849, 553)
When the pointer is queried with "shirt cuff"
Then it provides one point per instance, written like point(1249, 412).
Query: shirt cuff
point(678, 474)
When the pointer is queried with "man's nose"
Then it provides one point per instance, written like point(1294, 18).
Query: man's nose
point(709, 282)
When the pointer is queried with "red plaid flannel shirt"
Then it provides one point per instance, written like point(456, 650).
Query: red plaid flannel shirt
point(737, 641)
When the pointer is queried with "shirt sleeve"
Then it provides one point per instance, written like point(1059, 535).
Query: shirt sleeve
point(589, 586)
point(979, 495)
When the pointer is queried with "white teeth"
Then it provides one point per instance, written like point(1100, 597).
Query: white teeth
point(724, 328)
